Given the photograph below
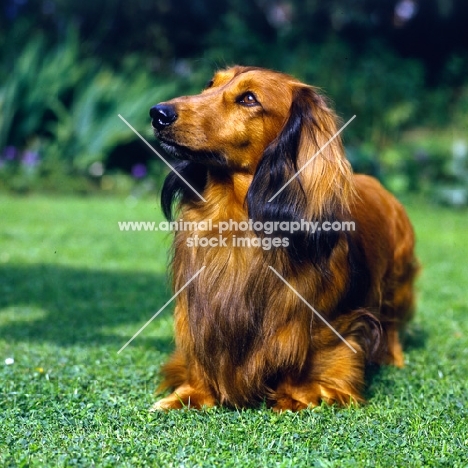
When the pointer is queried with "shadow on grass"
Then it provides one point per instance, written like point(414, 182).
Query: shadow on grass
point(70, 306)
point(414, 337)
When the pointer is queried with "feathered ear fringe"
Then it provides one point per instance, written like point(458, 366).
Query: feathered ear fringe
point(327, 177)
point(319, 193)
point(176, 190)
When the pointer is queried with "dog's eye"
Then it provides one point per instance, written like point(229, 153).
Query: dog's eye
point(247, 99)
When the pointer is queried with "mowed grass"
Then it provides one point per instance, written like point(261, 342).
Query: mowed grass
point(73, 291)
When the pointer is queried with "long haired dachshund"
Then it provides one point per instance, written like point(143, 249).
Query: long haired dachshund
point(294, 324)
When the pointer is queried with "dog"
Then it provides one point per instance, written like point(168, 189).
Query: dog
point(295, 324)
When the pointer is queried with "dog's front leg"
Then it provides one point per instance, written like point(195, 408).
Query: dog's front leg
point(191, 391)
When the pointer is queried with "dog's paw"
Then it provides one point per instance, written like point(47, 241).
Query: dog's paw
point(166, 404)
point(290, 404)
point(187, 397)
point(290, 398)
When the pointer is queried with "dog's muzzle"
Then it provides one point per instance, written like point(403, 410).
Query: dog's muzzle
point(162, 116)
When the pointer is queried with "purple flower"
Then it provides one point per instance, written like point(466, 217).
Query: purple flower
point(9, 153)
point(30, 158)
point(139, 171)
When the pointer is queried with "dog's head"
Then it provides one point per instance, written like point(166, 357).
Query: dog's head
point(266, 125)
point(240, 112)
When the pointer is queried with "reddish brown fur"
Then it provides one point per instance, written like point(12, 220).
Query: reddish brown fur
point(242, 336)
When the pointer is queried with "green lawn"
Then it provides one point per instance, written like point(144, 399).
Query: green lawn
point(74, 289)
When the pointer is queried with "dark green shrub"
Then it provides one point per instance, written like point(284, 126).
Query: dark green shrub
point(59, 113)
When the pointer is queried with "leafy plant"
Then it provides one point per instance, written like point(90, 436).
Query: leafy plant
point(63, 108)
point(88, 128)
point(38, 76)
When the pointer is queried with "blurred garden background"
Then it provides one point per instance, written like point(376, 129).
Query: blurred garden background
point(68, 68)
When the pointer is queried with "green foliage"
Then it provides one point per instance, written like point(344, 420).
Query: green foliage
point(88, 128)
point(382, 89)
point(31, 87)
point(63, 108)
point(62, 85)
point(75, 289)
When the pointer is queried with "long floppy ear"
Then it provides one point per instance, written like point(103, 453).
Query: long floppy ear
point(321, 192)
point(328, 178)
point(175, 190)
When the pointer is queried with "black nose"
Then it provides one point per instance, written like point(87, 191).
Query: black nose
point(162, 115)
